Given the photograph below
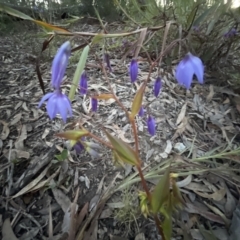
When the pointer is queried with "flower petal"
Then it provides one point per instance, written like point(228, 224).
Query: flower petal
point(184, 72)
point(45, 98)
point(133, 70)
point(157, 86)
point(52, 107)
point(63, 106)
point(151, 124)
point(141, 112)
point(94, 103)
point(59, 64)
point(107, 59)
point(78, 147)
point(198, 68)
point(83, 83)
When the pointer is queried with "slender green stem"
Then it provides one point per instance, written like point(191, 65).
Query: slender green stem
point(144, 183)
point(159, 226)
point(100, 140)
point(136, 138)
point(149, 196)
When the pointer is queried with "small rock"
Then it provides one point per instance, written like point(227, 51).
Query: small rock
point(180, 147)
point(82, 179)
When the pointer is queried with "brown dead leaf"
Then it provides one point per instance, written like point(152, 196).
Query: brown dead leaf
point(5, 131)
point(238, 107)
point(83, 213)
point(181, 128)
point(22, 154)
point(140, 236)
point(221, 233)
point(186, 181)
point(211, 93)
point(190, 208)
point(90, 225)
point(69, 220)
point(196, 235)
point(219, 213)
point(106, 213)
point(230, 205)
point(19, 144)
point(25, 107)
point(7, 232)
point(16, 119)
point(32, 184)
point(197, 187)
point(61, 199)
point(182, 114)
point(217, 196)
point(18, 105)
point(45, 182)
point(236, 99)
point(116, 237)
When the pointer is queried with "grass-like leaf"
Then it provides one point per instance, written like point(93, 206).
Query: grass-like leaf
point(78, 72)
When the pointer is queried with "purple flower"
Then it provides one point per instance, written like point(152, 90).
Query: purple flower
point(90, 146)
point(189, 66)
point(141, 112)
point(133, 70)
point(195, 28)
point(83, 83)
point(230, 33)
point(107, 60)
point(157, 86)
point(59, 64)
point(151, 124)
point(57, 102)
point(94, 103)
point(125, 43)
point(78, 147)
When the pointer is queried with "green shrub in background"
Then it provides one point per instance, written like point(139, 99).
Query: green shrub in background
point(106, 9)
point(209, 29)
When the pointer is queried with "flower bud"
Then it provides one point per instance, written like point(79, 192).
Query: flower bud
point(94, 103)
point(83, 83)
point(107, 60)
point(151, 124)
point(157, 86)
point(186, 69)
point(59, 64)
point(78, 147)
point(133, 70)
point(141, 112)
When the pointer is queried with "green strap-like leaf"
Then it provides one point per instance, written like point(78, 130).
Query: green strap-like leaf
point(78, 72)
point(161, 192)
point(14, 12)
point(125, 152)
point(137, 101)
point(167, 228)
point(74, 135)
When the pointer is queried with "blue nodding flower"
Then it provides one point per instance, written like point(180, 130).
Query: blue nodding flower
point(57, 102)
point(107, 60)
point(230, 33)
point(83, 83)
point(195, 28)
point(151, 124)
point(189, 66)
point(59, 64)
point(133, 70)
point(94, 103)
point(141, 112)
point(78, 147)
point(157, 86)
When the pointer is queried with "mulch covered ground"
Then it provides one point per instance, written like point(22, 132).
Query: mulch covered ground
point(197, 129)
